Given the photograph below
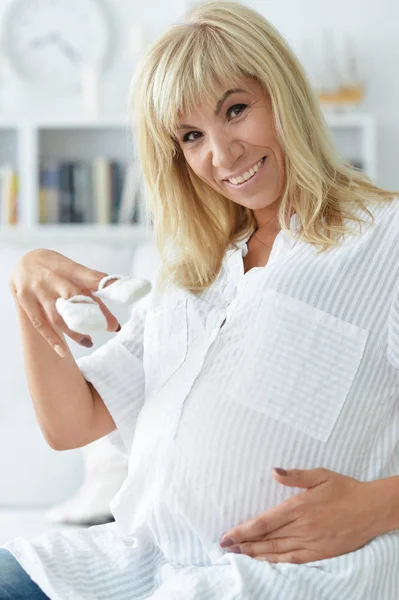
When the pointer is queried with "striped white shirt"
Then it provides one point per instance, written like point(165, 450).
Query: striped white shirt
point(293, 365)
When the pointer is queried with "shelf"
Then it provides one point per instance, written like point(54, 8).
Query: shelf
point(41, 235)
point(348, 120)
point(60, 122)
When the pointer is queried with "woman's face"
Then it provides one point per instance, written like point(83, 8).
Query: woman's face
point(227, 141)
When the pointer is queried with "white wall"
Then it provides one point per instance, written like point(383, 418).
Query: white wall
point(374, 26)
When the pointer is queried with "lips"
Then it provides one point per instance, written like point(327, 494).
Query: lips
point(247, 184)
point(244, 171)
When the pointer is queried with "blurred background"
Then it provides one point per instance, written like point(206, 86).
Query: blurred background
point(70, 181)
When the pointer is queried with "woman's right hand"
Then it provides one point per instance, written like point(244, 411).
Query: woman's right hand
point(39, 278)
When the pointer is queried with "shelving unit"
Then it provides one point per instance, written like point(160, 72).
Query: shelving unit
point(25, 142)
point(355, 135)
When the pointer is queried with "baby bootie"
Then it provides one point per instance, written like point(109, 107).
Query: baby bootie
point(83, 314)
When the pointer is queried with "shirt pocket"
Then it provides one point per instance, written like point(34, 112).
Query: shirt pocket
point(165, 344)
point(300, 363)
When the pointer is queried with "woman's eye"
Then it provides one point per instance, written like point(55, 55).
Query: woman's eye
point(186, 138)
point(236, 107)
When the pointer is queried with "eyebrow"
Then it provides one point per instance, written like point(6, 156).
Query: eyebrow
point(218, 105)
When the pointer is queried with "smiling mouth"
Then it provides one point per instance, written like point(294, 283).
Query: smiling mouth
point(254, 171)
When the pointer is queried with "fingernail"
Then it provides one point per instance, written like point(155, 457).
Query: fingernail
point(86, 342)
point(227, 542)
point(119, 328)
point(281, 471)
point(60, 351)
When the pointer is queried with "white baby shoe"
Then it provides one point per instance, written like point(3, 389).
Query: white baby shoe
point(83, 314)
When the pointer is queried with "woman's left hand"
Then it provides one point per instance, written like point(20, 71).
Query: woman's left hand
point(336, 514)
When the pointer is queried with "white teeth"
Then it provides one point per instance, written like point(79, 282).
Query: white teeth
point(247, 175)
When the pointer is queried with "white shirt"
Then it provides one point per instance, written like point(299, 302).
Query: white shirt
point(293, 365)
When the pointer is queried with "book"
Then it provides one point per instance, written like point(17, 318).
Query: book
point(65, 193)
point(98, 192)
point(82, 193)
point(9, 195)
point(129, 195)
point(117, 176)
point(49, 201)
point(101, 191)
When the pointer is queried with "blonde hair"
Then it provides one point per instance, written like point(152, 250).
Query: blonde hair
point(218, 44)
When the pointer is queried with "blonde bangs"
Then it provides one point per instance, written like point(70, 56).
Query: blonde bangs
point(198, 67)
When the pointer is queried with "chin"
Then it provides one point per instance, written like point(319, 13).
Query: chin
point(255, 205)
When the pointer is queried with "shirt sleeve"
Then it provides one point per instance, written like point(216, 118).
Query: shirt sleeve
point(393, 330)
point(116, 371)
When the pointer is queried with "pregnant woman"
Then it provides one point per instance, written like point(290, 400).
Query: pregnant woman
point(271, 341)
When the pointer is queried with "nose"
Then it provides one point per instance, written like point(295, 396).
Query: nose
point(225, 150)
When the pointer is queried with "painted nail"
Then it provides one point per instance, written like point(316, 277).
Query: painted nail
point(119, 328)
point(86, 342)
point(281, 471)
point(60, 351)
point(226, 543)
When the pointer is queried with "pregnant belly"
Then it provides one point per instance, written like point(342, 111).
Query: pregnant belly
point(217, 472)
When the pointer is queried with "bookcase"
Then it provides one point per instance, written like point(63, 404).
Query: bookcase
point(25, 143)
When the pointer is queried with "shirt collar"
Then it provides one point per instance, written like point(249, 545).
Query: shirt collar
point(283, 237)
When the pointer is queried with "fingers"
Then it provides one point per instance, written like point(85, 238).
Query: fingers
point(54, 319)
point(90, 277)
point(45, 277)
point(112, 321)
point(263, 524)
point(267, 547)
point(71, 291)
point(40, 321)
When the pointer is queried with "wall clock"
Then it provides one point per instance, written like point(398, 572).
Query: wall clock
point(49, 41)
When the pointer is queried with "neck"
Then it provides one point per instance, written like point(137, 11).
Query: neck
point(267, 226)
